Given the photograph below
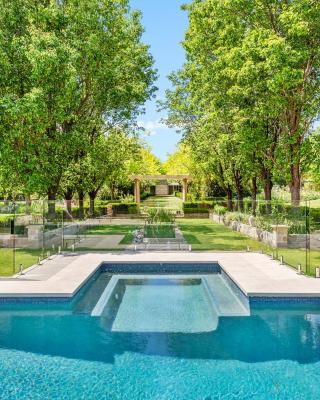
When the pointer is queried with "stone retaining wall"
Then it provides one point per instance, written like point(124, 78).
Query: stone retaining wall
point(251, 231)
point(299, 241)
point(278, 238)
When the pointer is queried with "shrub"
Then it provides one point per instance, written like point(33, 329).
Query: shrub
point(144, 195)
point(220, 210)
point(196, 211)
point(6, 218)
point(197, 205)
point(236, 216)
point(124, 208)
point(297, 228)
point(159, 216)
point(263, 224)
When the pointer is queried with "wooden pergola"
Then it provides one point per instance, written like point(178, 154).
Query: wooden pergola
point(138, 178)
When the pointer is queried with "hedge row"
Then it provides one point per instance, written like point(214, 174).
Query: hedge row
point(196, 211)
point(197, 205)
point(100, 210)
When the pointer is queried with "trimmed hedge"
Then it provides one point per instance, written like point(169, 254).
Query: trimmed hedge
point(125, 208)
point(197, 205)
point(144, 195)
point(101, 210)
point(196, 211)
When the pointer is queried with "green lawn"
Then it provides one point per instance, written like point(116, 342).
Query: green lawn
point(294, 257)
point(203, 234)
point(207, 235)
point(169, 202)
point(26, 257)
point(126, 230)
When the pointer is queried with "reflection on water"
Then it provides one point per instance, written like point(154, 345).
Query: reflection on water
point(52, 352)
point(271, 333)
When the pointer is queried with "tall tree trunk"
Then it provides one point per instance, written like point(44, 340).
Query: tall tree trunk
point(229, 198)
point(240, 198)
point(295, 185)
point(266, 175)
point(92, 196)
point(112, 191)
point(81, 204)
point(52, 192)
point(28, 203)
point(239, 189)
point(68, 194)
point(254, 195)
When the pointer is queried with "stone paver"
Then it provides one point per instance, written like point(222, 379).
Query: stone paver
point(255, 274)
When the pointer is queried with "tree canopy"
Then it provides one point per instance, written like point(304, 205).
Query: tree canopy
point(70, 71)
point(248, 95)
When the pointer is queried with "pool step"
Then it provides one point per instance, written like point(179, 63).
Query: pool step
point(92, 295)
point(104, 298)
point(224, 298)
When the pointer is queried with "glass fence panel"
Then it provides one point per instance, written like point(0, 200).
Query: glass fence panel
point(28, 234)
point(33, 231)
point(292, 236)
point(7, 253)
point(52, 227)
point(314, 240)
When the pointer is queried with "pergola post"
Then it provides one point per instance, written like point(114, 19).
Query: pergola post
point(137, 179)
point(184, 189)
point(137, 191)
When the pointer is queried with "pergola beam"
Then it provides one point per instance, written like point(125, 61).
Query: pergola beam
point(160, 177)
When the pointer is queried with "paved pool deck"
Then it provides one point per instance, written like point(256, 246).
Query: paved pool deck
point(256, 274)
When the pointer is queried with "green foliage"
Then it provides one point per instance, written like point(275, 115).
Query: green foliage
point(159, 231)
point(219, 210)
point(197, 205)
point(80, 70)
point(196, 210)
point(236, 216)
point(158, 216)
point(249, 91)
point(124, 208)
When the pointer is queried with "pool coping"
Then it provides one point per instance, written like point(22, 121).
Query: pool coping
point(256, 275)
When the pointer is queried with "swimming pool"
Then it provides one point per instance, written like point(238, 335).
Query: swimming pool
point(167, 332)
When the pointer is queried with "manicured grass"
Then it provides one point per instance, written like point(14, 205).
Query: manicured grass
point(203, 234)
point(110, 229)
point(159, 231)
point(208, 235)
point(169, 202)
point(26, 257)
point(126, 230)
point(163, 231)
point(294, 257)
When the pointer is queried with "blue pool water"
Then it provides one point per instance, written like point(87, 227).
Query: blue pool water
point(60, 351)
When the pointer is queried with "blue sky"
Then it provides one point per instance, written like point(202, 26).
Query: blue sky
point(164, 24)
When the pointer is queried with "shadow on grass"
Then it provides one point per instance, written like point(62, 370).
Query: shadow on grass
point(192, 239)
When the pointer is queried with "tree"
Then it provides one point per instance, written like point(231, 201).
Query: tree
point(253, 67)
point(105, 159)
point(80, 66)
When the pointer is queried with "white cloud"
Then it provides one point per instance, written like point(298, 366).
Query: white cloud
point(151, 127)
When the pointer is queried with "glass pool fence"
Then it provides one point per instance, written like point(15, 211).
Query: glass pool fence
point(33, 231)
